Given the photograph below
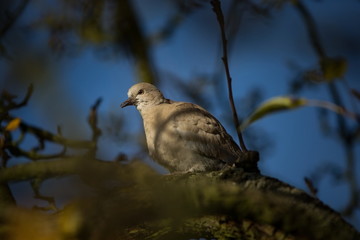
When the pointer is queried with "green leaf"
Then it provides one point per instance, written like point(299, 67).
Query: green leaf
point(272, 105)
point(282, 103)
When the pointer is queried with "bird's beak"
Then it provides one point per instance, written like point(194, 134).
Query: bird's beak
point(128, 102)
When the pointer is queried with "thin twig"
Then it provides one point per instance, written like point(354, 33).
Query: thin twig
point(310, 24)
point(13, 17)
point(8, 104)
point(46, 135)
point(346, 134)
point(35, 185)
point(33, 154)
point(220, 17)
point(313, 190)
point(93, 122)
point(26, 98)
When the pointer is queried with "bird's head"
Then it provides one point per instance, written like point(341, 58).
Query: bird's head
point(143, 95)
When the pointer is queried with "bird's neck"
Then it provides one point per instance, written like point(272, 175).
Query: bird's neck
point(146, 106)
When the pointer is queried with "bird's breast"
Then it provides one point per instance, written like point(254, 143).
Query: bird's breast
point(157, 125)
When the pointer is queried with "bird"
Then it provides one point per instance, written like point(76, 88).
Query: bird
point(182, 136)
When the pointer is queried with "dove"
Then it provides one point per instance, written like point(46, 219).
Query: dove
point(181, 136)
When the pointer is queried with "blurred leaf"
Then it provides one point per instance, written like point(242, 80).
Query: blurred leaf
point(272, 105)
point(92, 33)
point(333, 68)
point(31, 225)
point(13, 124)
point(70, 219)
point(282, 103)
point(28, 224)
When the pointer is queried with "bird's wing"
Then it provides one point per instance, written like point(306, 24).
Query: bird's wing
point(204, 133)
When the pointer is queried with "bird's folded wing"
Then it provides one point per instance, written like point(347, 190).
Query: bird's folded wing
point(204, 133)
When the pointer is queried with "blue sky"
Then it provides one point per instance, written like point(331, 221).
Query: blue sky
point(262, 52)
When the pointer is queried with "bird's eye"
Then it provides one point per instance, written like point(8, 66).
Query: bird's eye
point(141, 91)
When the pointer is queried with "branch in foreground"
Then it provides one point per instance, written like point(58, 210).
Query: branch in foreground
point(53, 169)
point(227, 204)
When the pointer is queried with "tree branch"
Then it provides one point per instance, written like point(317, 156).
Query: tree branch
point(12, 17)
point(93, 122)
point(46, 135)
point(311, 26)
point(227, 204)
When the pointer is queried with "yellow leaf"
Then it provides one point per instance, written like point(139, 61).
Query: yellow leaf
point(13, 124)
point(333, 68)
point(272, 105)
point(282, 103)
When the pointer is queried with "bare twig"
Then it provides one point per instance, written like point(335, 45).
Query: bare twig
point(9, 146)
point(46, 135)
point(7, 102)
point(26, 98)
point(33, 154)
point(313, 190)
point(12, 17)
point(36, 184)
point(310, 24)
point(93, 121)
point(217, 9)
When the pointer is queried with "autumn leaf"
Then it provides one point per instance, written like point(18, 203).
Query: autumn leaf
point(13, 124)
point(272, 105)
point(282, 103)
